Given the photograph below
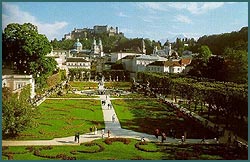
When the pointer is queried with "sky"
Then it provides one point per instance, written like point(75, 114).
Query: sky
point(153, 20)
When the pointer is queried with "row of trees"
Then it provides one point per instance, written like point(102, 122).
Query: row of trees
point(229, 100)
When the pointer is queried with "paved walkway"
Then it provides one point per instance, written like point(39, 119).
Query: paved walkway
point(113, 126)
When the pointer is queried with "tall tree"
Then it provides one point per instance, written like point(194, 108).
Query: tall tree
point(17, 113)
point(24, 50)
point(237, 65)
point(204, 53)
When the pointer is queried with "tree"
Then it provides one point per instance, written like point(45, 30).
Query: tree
point(24, 50)
point(216, 68)
point(204, 53)
point(17, 112)
point(236, 65)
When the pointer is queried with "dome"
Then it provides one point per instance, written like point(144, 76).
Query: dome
point(78, 44)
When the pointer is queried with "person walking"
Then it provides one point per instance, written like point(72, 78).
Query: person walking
point(157, 133)
point(113, 118)
point(95, 129)
point(102, 133)
point(163, 137)
point(109, 133)
point(78, 137)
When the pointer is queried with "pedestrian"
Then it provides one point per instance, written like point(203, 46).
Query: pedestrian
point(171, 132)
point(182, 139)
point(90, 129)
point(157, 133)
point(106, 97)
point(143, 139)
point(113, 118)
point(102, 133)
point(95, 130)
point(185, 136)
point(109, 133)
point(163, 137)
point(203, 140)
point(75, 137)
point(78, 137)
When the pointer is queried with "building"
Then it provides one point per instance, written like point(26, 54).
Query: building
point(97, 29)
point(97, 48)
point(168, 66)
point(77, 62)
point(143, 60)
point(166, 52)
point(118, 56)
point(17, 82)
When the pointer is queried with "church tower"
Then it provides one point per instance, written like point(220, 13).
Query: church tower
point(78, 46)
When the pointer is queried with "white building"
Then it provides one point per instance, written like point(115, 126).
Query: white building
point(169, 66)
point(17, 82)
point(97, 48)
point(77, 62)
point(118, 56)
point(143, 60)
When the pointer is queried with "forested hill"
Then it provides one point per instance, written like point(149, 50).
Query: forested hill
point(217, 43)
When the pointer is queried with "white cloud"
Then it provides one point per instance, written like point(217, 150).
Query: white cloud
point(183, 19)
point(152, 5)
point(13, 14)
point(121, 14)
point(192, 7)
point(149, 18)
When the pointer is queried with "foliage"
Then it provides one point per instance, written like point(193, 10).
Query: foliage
point(17, 113)
point(217, 43)
point(236, 65)
point(199, 91)
point(24, 50)
point(204, 53)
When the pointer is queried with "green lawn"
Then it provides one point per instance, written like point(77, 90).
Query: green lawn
point(61, 118)
point(146, 115)
point(131, 95)
point(116, 151)
point(131, 150)
point(118, 85)
point(83, 85)
point(73, 95)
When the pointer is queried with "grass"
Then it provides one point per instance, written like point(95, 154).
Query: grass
point(130, 95)
point(72, 95)
point(83, 85)
point(61, 118)
point(146, 115)
point(121, 151)
point(118, 85)
point(126, 152)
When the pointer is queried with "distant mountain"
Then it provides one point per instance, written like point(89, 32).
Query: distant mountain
point(173, 39)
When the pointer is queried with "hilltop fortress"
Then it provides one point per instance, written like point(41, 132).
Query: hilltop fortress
point(97, 29)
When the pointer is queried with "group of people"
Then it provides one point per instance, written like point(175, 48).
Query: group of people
point(162, 134)
point(93, 129)
point(172, 134)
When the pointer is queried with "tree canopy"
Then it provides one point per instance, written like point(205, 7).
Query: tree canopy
point(24, 50)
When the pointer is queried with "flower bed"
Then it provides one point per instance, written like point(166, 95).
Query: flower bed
point(109, 141)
